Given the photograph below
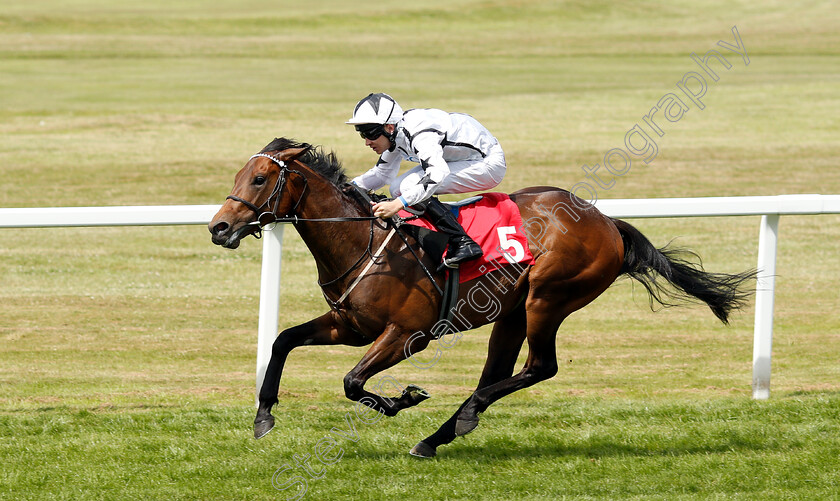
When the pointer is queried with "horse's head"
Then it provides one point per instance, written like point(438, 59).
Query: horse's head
point(263, 190)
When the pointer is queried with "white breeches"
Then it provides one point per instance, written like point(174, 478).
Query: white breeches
point(464, 176)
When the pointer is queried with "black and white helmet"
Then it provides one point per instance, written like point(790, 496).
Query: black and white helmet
point(376, 108)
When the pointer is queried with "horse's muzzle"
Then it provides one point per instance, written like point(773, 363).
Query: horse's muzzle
point(224, 235)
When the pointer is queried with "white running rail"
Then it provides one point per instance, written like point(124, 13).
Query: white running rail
point(770, 208)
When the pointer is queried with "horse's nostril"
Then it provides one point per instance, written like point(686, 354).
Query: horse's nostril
point(220, 228)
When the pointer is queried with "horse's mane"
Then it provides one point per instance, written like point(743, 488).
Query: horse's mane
point(328, 166)
point(325, 164)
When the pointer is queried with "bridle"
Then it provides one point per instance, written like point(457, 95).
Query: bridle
point(269, 215)
point(266, 215)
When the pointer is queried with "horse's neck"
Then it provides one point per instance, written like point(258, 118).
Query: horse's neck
point(336, 246)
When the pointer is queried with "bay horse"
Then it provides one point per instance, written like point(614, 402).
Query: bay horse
point(578, 252)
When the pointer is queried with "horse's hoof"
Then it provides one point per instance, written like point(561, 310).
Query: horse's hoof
point(423, 450)
point(464, 426)
point(261, 428)
point(415, 394)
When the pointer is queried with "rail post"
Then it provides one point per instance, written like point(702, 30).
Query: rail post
point(768, 238)
point(269, 299)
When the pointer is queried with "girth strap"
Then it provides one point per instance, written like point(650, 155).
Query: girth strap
point(450, 295)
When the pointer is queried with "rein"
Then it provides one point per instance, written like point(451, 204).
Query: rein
point(269, 216)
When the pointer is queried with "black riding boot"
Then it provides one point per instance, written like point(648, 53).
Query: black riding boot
point(461, 246)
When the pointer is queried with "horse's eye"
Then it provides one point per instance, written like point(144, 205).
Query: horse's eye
point(259, 180)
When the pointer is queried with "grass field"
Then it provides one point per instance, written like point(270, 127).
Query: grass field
point(127, 354)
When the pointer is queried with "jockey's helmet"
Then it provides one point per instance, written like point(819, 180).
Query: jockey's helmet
point(376, 108)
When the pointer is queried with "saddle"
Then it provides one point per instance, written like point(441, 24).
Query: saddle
point(491, 219)
point(431, 241)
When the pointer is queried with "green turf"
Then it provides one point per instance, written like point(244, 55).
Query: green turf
point(127, 354)
point(588, 448)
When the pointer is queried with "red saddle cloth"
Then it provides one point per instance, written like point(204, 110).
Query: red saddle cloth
point(495, 224)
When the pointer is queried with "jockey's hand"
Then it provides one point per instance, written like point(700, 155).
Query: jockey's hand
point(387, 208)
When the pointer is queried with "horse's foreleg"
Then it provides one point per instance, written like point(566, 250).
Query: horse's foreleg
point(387, 351)
point(324, 330)
point(503, 349)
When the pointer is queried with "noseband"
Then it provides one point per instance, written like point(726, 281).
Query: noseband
point(265, 214)
point(269, 215)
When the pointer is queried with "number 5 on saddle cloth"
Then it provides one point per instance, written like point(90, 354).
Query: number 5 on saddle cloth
point(493, 221)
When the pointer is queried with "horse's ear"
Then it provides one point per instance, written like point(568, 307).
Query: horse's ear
point(291, 154)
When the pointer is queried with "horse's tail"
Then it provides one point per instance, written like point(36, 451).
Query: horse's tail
point(644, 262)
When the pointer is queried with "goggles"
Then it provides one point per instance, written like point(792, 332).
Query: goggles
point(370, 131)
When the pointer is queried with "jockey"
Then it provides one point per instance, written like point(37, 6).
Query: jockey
point(456, 155)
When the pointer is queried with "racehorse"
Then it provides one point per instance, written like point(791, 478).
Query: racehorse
point(578, 252)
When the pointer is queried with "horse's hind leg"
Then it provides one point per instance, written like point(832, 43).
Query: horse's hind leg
point(548, 304)
point(503, 349)
point(543, 318)
point(540, 365)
